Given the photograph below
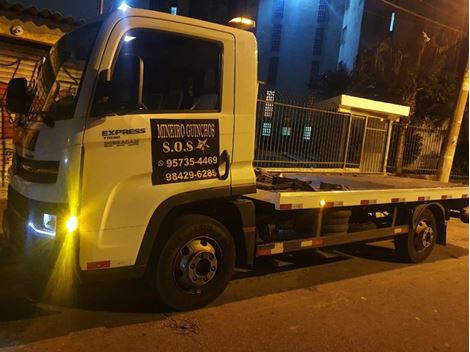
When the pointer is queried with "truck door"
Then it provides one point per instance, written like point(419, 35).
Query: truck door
point(161, 124)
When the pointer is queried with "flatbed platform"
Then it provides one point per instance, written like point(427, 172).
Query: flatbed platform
point(361, 190)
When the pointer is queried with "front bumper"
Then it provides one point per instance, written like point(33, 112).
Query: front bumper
point(20, 212)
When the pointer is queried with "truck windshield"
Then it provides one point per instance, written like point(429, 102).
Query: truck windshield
point(61, 72)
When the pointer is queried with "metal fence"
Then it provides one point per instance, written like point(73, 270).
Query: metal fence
point(307, 137)
point(422, 149)
point(293, 133)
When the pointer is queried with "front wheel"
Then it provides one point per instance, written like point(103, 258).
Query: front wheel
point(194, 263)
point(418, 244)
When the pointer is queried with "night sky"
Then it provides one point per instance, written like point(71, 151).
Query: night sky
point(79, 9)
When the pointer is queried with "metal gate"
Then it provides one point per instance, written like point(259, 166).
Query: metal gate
point(375, 144)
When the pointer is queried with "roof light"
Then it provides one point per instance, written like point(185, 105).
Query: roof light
point(243, 22)
point(128, 38)
point(123, 6)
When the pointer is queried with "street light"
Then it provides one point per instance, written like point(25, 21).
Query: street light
point(123, 6)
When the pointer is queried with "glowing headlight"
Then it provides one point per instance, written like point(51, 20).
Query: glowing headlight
point(72, 223)
point(322, 203)
point(46, 227)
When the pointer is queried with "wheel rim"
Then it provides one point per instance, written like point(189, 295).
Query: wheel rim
point(424, 236)
point(196, 264)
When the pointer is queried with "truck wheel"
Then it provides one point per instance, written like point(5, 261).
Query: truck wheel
point(194, 263)
point(420, 241)
point(335, 229)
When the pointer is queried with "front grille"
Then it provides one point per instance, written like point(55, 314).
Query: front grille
point(38, 171)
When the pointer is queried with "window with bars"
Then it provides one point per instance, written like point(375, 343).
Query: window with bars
point(269, 107)
point(266, 130)
point(272, 71)
point(286, 131)
point(307, 133)
point(318, 41)
point(276, 37)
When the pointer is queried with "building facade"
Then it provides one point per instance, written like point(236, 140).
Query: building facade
point(303, 39)
point(297, 41)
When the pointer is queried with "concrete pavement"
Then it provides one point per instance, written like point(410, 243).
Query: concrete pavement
point(356, 299)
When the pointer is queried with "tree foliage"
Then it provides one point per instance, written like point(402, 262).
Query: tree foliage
point(421, 74)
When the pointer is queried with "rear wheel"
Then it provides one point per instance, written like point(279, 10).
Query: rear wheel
point(195, 263)
point(420, 241)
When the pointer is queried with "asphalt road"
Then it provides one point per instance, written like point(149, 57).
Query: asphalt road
point(356, 299)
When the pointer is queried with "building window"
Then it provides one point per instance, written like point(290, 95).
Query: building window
point(174, 10)
point(343, 35)
point(307, 133)
point(269, 107)
point(392, 22)
point(323, 12)
point(318, 41)
point(266, 131)
point(314, 72)
point(272, 73)
point(286, 131)
point(278, 10)
point(276, 37)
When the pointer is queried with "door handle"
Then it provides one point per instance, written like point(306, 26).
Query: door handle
point(225, 158)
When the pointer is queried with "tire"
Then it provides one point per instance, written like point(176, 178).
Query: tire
point(418, 244)
point(335, 221)
point(337, 228)
point(193, 263)
point(338, 214)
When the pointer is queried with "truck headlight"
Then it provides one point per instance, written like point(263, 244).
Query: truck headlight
point(45, 226)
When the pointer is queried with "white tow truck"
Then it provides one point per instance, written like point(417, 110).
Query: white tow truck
point(136, 143)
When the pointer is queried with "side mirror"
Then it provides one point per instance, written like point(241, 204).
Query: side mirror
point(18, 99)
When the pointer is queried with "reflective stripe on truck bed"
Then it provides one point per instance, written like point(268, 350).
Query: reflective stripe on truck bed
point(328, 199)
point(329, 240)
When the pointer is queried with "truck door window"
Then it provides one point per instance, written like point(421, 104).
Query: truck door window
point(177, 73)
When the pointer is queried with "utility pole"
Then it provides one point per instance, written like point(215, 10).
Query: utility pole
point(450, 142)
point(100, 7)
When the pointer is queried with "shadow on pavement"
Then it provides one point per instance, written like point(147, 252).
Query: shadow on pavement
point(125, 303)
point(21, 308)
